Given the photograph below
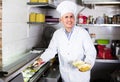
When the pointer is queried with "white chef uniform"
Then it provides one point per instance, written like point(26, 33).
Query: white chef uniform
point(77, 47)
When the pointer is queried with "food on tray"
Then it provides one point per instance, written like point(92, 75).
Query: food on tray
point(78, 63)
point(82, 66)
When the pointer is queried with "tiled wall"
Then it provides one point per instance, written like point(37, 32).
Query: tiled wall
point(0, 32)
point(18, 36)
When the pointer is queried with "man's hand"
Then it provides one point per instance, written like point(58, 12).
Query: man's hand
point(38, 62)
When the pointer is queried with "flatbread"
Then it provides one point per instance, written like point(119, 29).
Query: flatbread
point(82, 66)
point(78, 63)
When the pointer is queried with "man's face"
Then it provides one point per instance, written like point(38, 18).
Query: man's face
point(68, 20)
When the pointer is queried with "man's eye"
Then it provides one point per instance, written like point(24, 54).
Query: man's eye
point(71, 16)
point(66, 16)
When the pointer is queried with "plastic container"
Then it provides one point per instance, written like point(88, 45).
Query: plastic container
point(103, 41)
point(43, 1)
point(33, 1)
point(32, 17)
point(40, 17)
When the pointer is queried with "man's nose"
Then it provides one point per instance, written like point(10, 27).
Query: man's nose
point(69, 19)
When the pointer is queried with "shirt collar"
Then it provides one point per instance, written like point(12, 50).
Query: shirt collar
point(71, 30)
point(68, 34)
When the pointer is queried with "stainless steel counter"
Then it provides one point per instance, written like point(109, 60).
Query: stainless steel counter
point(52, 75)
point(104, 68)
point(17, 67)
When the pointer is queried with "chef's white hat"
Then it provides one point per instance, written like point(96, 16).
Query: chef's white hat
point(66, 7)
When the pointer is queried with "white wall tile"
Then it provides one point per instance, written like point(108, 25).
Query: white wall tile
point(18, 37)
point(14, 11)
point(14, 51)
point(14, 32)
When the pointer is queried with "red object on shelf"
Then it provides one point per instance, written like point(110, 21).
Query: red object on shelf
point(82, 19)
point(103, 52)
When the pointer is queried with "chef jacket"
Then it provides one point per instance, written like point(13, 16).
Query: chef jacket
point(78, 47)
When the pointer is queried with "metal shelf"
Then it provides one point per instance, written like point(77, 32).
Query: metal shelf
point(101, 2)
point(92, 3)
point(35, 22)
point(42, 5)
point(99, 25)
point(108, 60)
point(50, 23)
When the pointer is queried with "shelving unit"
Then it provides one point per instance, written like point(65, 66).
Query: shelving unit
point(108, 60)
point(42, 5)
point(101, 2)
point(99, 25)
point(39, 70)
point(92, 3)
point(50, 23)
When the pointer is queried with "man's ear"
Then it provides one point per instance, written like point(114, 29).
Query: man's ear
point(60, 19)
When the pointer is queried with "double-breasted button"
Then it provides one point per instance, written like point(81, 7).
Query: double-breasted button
point(68, 53)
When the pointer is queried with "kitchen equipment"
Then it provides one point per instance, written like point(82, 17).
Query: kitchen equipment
point(93, 36)
point(103, 41)
point(46, 36)
point(30, 71)
point(18, 78)
point(115, 76)
point(52, 20)
point(99, 20)
point(50, 1)
point(82, 19)
point(33, 1)
point(104, 52)
point(12, 75)
point(52, 75)
point(115, 47)
point(32, 17)
point(43, 1)
point(40, 17)
point(101, 1)
point(116, 19)
point(118, 50)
